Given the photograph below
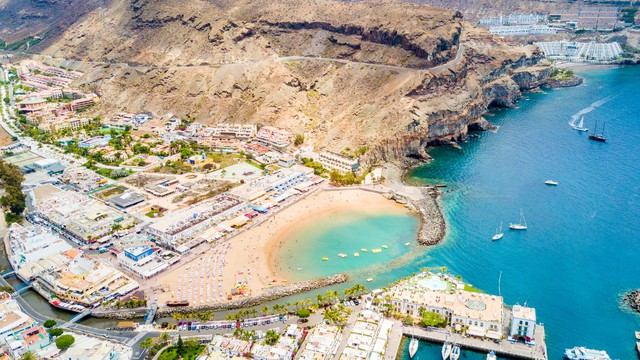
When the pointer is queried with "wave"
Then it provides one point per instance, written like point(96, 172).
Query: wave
point(576, 117)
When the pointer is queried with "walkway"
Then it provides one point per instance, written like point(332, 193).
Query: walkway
point(503, 348)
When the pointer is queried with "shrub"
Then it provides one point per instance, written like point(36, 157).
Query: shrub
point(50, 323)
point(65, 341)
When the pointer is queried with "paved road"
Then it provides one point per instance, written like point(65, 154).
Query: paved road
point(458, 57)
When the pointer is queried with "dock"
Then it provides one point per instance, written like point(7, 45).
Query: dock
point(503, 349)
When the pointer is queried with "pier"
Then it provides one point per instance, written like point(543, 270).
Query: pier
point(503, 348)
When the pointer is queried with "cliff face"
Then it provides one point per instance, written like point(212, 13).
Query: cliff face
point(393, 76)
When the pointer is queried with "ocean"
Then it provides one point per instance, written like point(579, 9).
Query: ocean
point(581, 252)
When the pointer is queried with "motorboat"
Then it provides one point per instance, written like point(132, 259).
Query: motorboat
point(455, 352)
point(580, 126)
point(491, 356)
point(407, 244)
point(342, 255)
point(369, 279)
point(582, 353)
point(375, 251)
point(551, 182)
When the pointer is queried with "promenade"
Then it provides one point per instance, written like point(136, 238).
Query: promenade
point(503, 348)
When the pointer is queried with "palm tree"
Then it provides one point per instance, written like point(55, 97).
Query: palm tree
point(29, 355)
point(164, 337)
point(146, 343)
point(265, 309)
point(443, 269)
point(321, 300)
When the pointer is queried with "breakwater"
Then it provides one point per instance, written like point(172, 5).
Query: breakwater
point(273, 293)
point(432, 223)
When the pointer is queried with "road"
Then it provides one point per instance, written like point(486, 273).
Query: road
point(437, 68)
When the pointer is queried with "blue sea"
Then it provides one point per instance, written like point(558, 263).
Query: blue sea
point(581, 251)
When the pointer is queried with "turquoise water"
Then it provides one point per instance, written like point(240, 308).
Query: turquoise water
point(349, 232)
point(582, 248)
point(581, 251)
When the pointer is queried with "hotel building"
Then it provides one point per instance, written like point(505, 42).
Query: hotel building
point(523, 324)
point(333, 161)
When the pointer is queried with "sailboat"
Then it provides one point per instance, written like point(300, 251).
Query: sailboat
point(446, 350)
point(580, 126)
point(455, 352)
point(499, 234)
point(522, 225)
point(491, 356)
point(598, 136)
point(413, 347)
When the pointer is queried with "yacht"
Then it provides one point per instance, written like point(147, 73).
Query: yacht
point(582, 353)
point(598, 136)
point(551, 182)
point(491, 356)
point(413, 347)
point(580, 126)
point(499, 234)
point(522, 225)
point(446, 350)
point(455, 352)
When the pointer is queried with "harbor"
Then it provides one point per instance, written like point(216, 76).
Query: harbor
point(515, 350)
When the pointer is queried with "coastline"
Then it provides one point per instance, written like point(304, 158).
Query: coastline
point(251, 256)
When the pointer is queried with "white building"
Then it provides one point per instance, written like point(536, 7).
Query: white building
point(178, 230)
point(580, 52)
point(273, 136)
point(234, 131)
point(523, 325)
point(142, 262)
point(523, 30)
point(31, 244)
point(333, 161)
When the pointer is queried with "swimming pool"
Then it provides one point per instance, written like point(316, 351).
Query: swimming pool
point(433, 283)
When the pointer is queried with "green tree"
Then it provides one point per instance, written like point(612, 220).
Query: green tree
point(55, 332)
point(180, 343)
point(271, 337)
point(164, 338)
point(431, 318)
point(65, 341)
point(303, 313)
point(299, 140)
point(408, 320)
point(147, 343)
point(50, 323)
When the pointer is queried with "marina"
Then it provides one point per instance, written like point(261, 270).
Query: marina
point(503, 348)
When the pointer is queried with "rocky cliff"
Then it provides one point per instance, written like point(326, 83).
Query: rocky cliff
point(390, 75)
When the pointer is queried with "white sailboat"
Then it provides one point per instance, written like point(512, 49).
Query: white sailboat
point(580, 126)
point(499, 234)
point(455, 352)
point(522, 225)
point(446, 350)
point(413, 347)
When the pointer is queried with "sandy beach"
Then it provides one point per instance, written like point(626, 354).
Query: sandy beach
point(251, 257)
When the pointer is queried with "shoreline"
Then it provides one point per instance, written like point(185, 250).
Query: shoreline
point(250, 258)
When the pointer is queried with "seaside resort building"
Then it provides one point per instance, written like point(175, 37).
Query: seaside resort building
point(142, 261)
point(482, 314)
point(86, 282)
point(322, 343)
point(33, 250)
point(81, 217)
point(234, 131)
point(368, 338)
point(274, 137)
point(523, 324)
point(179, 230)
point(333, 161)
point(19, 333)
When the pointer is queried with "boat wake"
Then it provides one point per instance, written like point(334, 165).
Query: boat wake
point(575, 118)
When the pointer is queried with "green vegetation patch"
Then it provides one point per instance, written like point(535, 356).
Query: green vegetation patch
point(562, 74)
point(430, 318)
point(185, 352)
point(470, 288)
point(13, 201)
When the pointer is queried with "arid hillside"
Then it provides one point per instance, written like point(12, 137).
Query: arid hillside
point(391, 75)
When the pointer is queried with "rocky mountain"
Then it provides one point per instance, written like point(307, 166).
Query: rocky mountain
point(21, 19)
point(389, 75)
